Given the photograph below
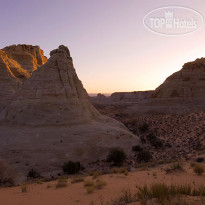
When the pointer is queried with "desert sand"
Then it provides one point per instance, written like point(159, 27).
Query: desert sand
point(47, 193)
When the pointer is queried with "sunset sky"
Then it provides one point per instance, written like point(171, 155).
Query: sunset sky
point(111, 48)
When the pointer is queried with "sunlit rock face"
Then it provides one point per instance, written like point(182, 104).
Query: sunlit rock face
point(28, 57)
point(186, 85)
point(16, 65)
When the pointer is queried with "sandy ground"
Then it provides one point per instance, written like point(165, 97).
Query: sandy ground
point(75, 194)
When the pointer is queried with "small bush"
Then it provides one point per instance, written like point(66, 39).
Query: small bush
point(198, 169)
point(89, 186)
point(143, 140)
point(120, 170)
point(33, 174)
point(137, 148)
point(144, 156)
point(95, 174)
point(24, 188)
point(77, 180)
point(154, 141)
point(48, 186)
point(90, 189)
point(117, 156)
point(7, 175)
point(100, 184)
point(71, 167)
point(144, 128)
point(62, 182)
point(200, 159)
point(157, 143)
point(175, 166)
point(88, 183)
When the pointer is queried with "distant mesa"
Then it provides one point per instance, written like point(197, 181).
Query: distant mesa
point(100, 96)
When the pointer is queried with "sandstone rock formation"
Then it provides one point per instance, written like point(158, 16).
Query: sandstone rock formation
point(131, 96)
point(51, 120)
point(16, 65)
point(52, 95)
point(186, 85)
point(29, 57)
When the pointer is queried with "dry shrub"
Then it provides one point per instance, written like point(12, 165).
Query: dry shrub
point(62, 182)
point(7, 175)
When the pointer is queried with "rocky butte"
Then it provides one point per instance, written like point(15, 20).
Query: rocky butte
point(17, 63)
point(50, 120)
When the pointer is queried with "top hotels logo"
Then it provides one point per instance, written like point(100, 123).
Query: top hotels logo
point(173, 20)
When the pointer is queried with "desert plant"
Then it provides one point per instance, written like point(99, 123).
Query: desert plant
point(88, 183)
point(24, 187)
point(117, 156)
point(144, 156)
point(126, 198)
point(198, 169)
point(100, 184)
point(71, 167)
point(62, 182)
point(48, 186)
point(154, 141)
point(175, 166)
point(144, 127)
point(120, 170)
point(200, 159)
point(77, 180)
point(89, 186)
point(95, 174)
point(90, 189)
point(33, 174)
point(157, 143)
point(137, 148)
point(7, 175)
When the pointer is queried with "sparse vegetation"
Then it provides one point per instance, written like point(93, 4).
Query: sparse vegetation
point(62, 182)
point(117, 156)
point(154, 141)
point(126, 198)
point(200, 159)
point(119, 170)
point(174, 167)
point(100, 184)
point(198, 169)
point(95, 174)
point(24, 187)
point(7, 175)
point(33, 174)
point(144, 127)
point(164, 193)
point(89, 186)
point(89, 183)
point(77, 180)
point(144, 156)
point(90, 189)
point(137, 148)
point(71, 167)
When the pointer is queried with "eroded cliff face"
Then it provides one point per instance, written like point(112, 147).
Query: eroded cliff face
point(16, 65)
point(188, 84)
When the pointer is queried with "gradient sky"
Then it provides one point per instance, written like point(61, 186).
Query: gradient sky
point(111, 48)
